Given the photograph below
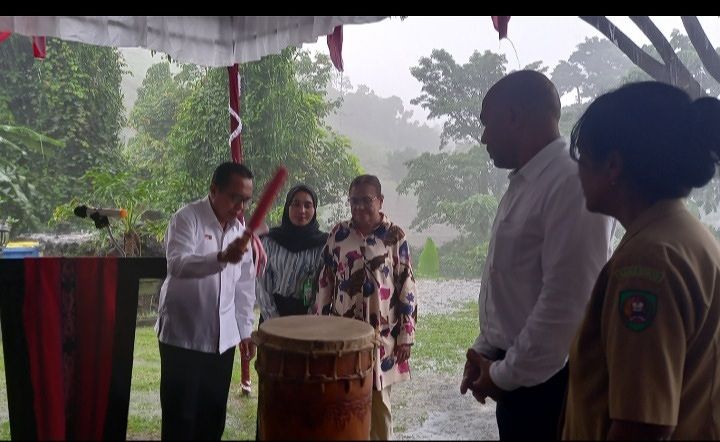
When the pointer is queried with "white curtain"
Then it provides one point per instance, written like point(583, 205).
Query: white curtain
point(203, 40)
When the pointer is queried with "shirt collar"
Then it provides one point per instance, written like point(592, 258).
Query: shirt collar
point(656, 212)
point(384, 224)
point(538, 163)
point(210, 216)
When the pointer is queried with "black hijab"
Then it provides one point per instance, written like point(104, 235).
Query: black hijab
point(295, 238)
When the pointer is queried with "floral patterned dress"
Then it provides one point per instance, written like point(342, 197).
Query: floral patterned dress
point(370, 278)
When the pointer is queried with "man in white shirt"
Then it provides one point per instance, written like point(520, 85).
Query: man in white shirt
point(206, 307)
point(544, 255)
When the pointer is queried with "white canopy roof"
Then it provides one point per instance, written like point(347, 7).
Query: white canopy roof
point(203, 40)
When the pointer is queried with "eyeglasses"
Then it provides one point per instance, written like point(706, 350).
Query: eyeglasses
point(241, 200)
point(364, 201)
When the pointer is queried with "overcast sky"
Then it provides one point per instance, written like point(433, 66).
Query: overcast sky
point(380, 54)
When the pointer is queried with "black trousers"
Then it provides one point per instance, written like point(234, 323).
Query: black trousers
point(194, 389)
point(533, 413)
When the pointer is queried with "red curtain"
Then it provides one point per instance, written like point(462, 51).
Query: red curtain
point(69, 321)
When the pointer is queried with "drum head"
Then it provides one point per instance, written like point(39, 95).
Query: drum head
point(315, 334)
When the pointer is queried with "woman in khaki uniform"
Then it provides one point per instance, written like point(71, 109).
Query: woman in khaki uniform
point(644, 364)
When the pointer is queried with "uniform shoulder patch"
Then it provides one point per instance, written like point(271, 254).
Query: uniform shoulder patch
point(637, 309)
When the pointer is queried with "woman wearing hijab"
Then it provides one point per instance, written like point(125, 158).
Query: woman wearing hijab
point(294, 257)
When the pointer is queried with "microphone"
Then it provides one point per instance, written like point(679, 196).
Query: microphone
point(95, 212)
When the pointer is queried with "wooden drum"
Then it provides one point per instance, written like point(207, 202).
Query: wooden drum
point(315, 378)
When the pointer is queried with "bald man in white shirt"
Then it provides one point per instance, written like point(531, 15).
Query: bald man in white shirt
point(545, 253)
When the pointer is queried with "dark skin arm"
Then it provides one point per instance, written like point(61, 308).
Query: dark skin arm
point(402, 353)
point(476, 378)
point(629, 430)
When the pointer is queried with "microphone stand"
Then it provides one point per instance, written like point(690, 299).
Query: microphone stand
point(103, 221)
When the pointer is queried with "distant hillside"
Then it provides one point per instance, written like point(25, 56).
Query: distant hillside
point(380, 126)
point(384, 136)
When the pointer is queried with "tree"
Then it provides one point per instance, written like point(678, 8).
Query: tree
point(457, 188)
point(27, 157)
point(704, 200)
point(198, 141)
point(72, 96)
point(536, 66)
point(568, 77)
point(595, 67)
point(182, 124)
point(283, 105)
point(396, 162)
point(672, 68)
point(154, 115)
point(455, 92)
point(157, 102)
point(603, 67)
point(284, 110)
point(381, 131)
point(688, 55)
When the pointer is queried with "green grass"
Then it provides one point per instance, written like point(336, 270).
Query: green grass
point(144, 416)
point(441, 340)
point(440, 346)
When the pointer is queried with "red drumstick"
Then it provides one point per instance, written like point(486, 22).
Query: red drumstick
point(268, 196)
point(266, 199)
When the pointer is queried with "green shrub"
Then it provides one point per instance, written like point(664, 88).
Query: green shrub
point(429, 264)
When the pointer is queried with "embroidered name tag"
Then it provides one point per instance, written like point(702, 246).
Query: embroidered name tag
point(648, 273)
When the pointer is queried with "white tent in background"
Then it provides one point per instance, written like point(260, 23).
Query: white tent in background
point(203, 40)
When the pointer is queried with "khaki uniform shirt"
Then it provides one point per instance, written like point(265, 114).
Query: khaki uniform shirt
point(647, 350)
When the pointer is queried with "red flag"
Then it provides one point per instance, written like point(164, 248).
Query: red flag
point(334, 42)
point(38, 47)
point(500, 23)
point(38, 44)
